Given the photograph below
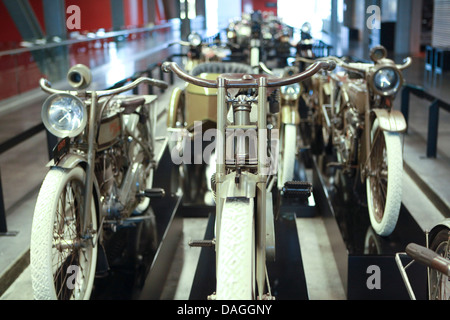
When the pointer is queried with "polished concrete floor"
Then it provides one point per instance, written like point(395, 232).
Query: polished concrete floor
point(23, 169)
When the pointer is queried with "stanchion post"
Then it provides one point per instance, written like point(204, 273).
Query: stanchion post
point(3, 226)
point(433, 125)
point(405, 105)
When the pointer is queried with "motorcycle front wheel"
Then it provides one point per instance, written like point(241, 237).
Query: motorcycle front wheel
point(439, 283)
point(62, 260)
point(235, 251)
point(384, 180)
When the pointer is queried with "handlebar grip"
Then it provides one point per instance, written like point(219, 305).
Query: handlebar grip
point(159, 83)
point(166, 67)
point(330, 65)
point(429, 258)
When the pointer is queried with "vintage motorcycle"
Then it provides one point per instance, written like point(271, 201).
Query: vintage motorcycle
point(200, 51)
point(306, 43)
point(436, 256)
point(355, 116)
point(243, 180)
point(100, 179)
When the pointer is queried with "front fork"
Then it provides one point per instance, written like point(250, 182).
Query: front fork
point(90, 165)
point(389, 120)
point(261, 178)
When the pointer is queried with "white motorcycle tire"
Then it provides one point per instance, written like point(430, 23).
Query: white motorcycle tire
point(53, 275)
point(384, 221)
point(235, 252)
point(288, 150)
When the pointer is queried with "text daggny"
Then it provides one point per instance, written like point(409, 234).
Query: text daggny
point(225, 309)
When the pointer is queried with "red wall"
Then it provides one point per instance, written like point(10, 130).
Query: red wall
point(261, 5)
point(9, 34)
point(94, 14)
point(134, 13)
point(38, 8)
point(8, 31)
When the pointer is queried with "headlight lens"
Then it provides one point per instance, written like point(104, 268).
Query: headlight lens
point(244, 30)
point(64, 115)
point(195, 39)
point(387, 81)
point(291, 92)
point(306, 27)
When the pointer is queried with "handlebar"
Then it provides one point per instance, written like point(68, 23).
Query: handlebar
point(354, 66)
point(428, 258)
point(249, 81)
point(47, 87)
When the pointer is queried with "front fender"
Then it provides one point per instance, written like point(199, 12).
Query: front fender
point(389, 120)
point(290, 115)
point(445, 224)
point(69, 161)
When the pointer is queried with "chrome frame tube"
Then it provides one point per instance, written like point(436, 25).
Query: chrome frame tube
point(92, 146)
point(261, 189)
point(220, 149)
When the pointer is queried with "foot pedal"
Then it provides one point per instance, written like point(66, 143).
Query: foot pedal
point(202, 243)
point(337, 165)
point(153, 193)
point(297, 189)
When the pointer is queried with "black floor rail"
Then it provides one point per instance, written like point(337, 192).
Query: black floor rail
point(433, 114)
point(52, 140)
point(4, 147)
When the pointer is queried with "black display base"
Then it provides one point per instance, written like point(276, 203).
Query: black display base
point(366, 261)
point(170, 227)
point(286, 273)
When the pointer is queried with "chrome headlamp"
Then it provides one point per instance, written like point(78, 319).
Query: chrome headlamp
point(231, 34)
point(306, 27)
point(244, 30)
point(195, 39)
point(291, 92)
point(64, 115)
point(386, 80)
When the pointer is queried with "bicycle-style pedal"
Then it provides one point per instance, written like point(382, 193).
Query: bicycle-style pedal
point(153, 193)
point(202, 243)
point(301, 190)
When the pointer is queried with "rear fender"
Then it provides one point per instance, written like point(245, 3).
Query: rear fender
point(174, 105)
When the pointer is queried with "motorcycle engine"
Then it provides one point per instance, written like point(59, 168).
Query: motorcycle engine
point(347, 143)
point(120, 172)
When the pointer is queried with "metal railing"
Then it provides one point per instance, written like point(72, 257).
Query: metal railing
point(433, 114)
